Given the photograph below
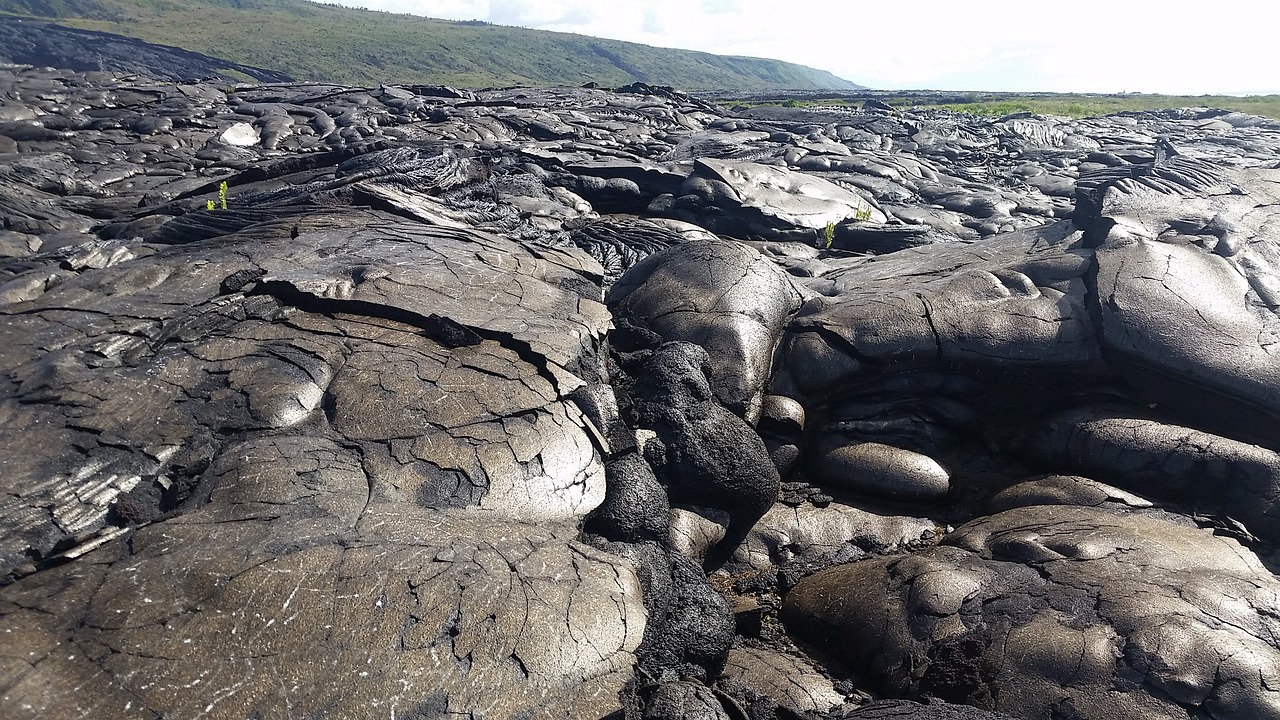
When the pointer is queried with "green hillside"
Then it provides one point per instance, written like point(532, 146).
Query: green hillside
point(336, 44)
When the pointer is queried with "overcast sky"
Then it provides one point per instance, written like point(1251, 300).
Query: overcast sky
point(1103, 46)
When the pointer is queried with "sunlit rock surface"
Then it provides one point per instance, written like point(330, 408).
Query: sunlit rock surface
point(322, 401)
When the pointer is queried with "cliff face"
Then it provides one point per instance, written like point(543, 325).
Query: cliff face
point(335, 401)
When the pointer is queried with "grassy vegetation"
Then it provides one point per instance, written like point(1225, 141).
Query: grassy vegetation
point(1000, 104)
point(329, 43)
point(1080, 106)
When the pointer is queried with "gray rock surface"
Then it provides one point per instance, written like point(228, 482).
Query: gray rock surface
point(336, 431)
point(720, 295)
point(312, 404)
point(32, 42)
point(797, 687)
point(1045, 610)
point(906, 710)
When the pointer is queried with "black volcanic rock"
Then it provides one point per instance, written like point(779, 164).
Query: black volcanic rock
point(312, 403)
point(1044, 610)
point(45, 44)
point(319, 422)
point(680, 294)
point(703, 453)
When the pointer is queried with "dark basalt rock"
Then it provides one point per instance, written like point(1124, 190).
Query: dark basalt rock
point(789, 682)
point(906, 710)
point(1156, 458)
point(635, 505)
point(751, 200)
point(683, 701)
point(319, 383)
point(1063, 490)
point(703, 453)
point(619, 246)
point(1044, 610)
point(692, 639)
point(31, 42)
point(1183, 235)
point(319, 426)
point(681, 295)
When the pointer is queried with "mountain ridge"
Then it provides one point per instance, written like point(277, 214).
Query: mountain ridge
point(331, 43)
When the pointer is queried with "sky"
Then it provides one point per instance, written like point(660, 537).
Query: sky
point(1222, 47)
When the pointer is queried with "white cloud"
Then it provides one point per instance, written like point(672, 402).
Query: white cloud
point(1080, 46)
point(714, 7)
point(653, 23)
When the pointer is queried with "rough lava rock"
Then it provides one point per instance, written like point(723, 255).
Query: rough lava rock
point(399, 486)
point(1043, 611)
point(32, 42)
point(324, 401)
point(720, 295)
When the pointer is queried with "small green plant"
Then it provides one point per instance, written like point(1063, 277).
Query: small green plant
point(862, 214)
point(208, 205)
point(222, 195)
point(828, 235)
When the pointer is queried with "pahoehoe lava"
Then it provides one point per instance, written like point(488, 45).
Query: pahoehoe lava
point(324, 401)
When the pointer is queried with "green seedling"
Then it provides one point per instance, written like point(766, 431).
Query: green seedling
point(222, 195)
point(208, 205)
point(828, 235)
